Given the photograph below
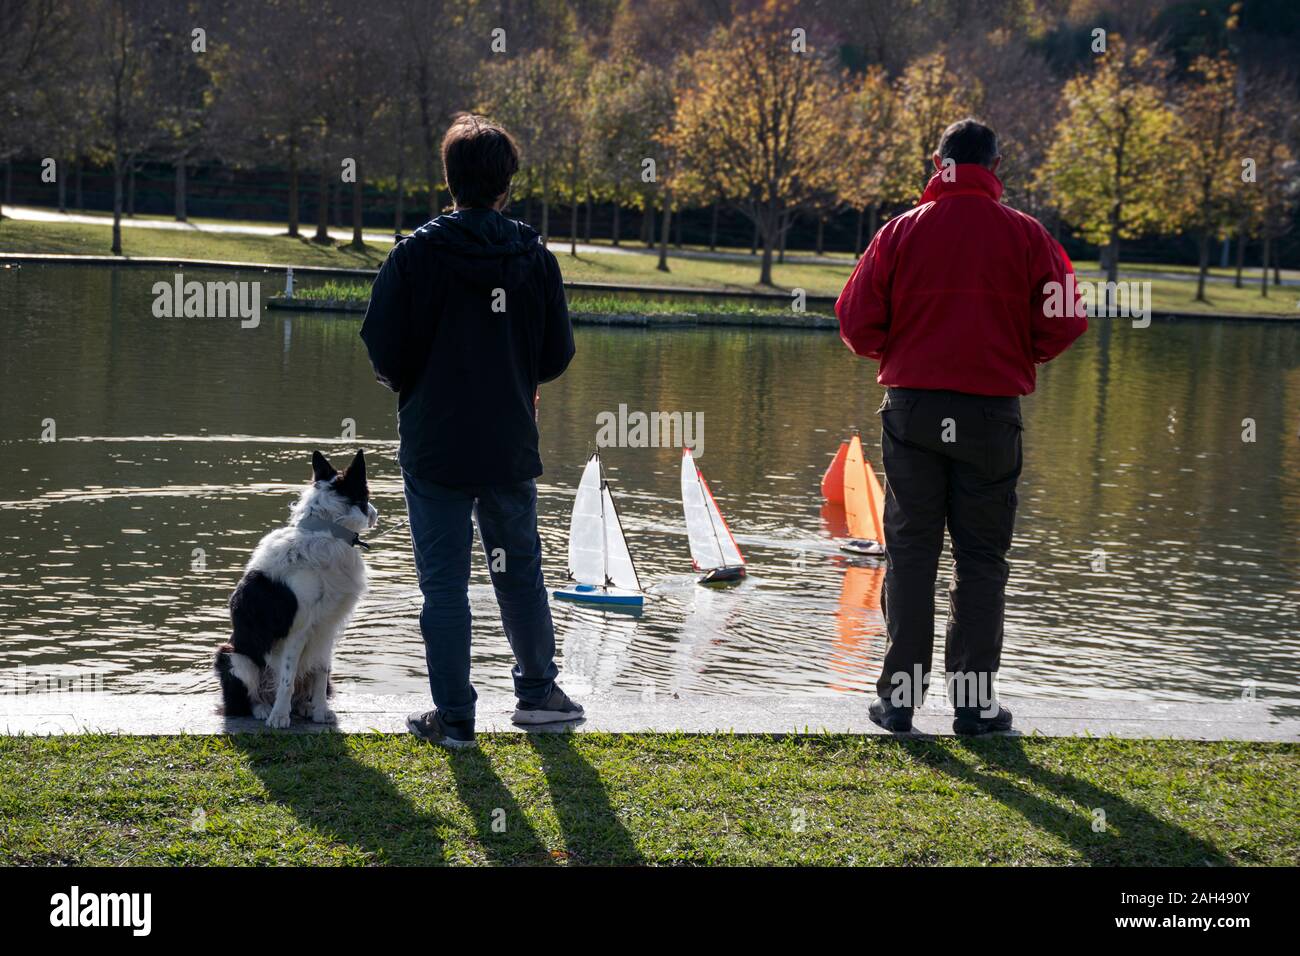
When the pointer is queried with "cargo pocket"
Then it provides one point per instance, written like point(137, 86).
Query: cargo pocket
point(1004, 452)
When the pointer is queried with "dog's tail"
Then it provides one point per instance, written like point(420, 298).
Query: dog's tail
point(234, 695)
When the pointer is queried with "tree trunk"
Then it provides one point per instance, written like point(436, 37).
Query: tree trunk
point(663, 239)
point(771, 226)
point(118, 175)
point(617, 225)
point(1203, 263)
point(293, 187)
point(323, 205)
point(398, 202)
point(358, 214)
point(573, 228)
point(713, 229)
point(1263, 273)
point(1241, 255)
point(753, 242)
point(179, 201)
point(430, 177)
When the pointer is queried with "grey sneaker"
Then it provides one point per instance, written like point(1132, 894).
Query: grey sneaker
point(557, 707)
point(431, 727)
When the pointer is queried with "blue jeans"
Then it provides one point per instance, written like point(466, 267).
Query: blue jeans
point(442, 531)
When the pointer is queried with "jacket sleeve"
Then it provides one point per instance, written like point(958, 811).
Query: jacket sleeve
point(557, 333)
point(863, 306)
point(1057, 315)
point(384, 329)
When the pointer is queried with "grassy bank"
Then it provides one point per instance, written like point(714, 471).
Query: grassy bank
point(1168, 295)
point(660, 799)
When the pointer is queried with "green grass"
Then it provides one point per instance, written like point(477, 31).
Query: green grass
point(1169, 295)
point(84, 239)
point(659, 799)
point(579, 301)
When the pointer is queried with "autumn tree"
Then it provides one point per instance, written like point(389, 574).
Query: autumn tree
point(930, 99)
point(36, 49)
point(529, 96)
point(757, 120)
point(878, 168)
point(1110, 168)
point(1272, 148)
point(118, 33)
point(1210, 150)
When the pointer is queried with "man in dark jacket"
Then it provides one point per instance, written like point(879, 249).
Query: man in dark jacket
point(957, 299)
point(466, 318)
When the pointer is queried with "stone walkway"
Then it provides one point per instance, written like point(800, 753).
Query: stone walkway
point(172, 714)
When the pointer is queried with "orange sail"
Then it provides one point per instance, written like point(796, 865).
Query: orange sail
point(833, 480)
point(864, 501)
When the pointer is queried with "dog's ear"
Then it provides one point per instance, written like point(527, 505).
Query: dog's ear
point(358, 467)
point(353, 484)
point(321, 469)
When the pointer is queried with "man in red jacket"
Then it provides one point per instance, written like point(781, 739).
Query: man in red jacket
point(958, 300)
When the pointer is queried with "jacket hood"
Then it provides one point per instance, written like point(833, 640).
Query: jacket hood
point(965, 179)
point(482, 247)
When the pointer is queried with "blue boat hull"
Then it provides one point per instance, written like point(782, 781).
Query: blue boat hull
point(591, 594)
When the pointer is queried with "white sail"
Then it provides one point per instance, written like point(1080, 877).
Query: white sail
point(587, 529)
point(711, 543)
point(618, 561)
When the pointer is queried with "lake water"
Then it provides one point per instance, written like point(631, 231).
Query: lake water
point(1156, 552)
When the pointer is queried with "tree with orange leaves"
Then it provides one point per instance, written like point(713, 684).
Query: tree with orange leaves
point(757, 120)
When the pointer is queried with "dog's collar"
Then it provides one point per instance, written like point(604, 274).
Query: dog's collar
point(312, 523)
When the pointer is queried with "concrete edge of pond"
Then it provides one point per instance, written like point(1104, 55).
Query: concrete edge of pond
point(70, 713)
point(159, 261)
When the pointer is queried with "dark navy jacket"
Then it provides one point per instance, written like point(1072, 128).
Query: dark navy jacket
point(466, 317)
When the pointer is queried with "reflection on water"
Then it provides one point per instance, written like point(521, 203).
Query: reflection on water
point(1155, 554)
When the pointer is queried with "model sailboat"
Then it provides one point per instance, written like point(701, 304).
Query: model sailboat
point(599, 563)
point(713, 549)
point(864, 504)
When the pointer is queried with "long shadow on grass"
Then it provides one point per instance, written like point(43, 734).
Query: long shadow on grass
point(490, 802)
point(329, 790)
point(593, 833)
point(1133, 835)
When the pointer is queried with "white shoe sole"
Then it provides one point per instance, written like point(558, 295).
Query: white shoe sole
point(545, 716)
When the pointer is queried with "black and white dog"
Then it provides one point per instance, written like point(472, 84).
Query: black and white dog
point(294, 600)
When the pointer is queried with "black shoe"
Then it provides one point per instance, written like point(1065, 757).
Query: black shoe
point(884, 714)
point(969, 723)
point(445, 733)
point(557, 707)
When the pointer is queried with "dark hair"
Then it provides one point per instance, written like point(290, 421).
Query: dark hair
point(969, 141)
point(479, 159)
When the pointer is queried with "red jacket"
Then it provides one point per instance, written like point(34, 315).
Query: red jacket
point(957, 293)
